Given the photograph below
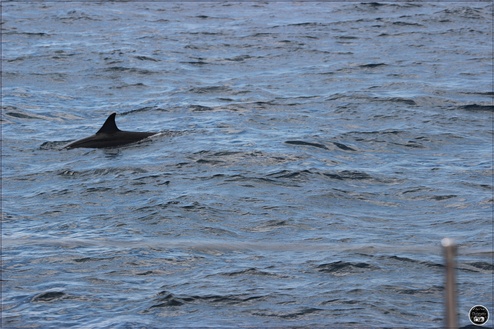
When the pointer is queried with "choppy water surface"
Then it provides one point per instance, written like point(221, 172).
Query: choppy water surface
point(311, 158)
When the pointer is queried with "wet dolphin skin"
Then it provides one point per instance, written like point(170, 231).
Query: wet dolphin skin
point(109, 136)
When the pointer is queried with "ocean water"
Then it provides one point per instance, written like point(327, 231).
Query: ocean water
point(311, 157)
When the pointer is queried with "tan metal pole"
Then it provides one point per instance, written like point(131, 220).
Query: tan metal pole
point(450, 250)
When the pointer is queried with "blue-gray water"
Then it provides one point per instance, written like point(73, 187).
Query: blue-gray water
point(311, 158)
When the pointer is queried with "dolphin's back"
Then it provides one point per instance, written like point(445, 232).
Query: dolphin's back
point(109, 136)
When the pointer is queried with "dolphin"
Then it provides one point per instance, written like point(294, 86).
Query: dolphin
point(109, 136)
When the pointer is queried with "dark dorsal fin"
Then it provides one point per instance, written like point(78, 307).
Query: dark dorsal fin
point(109, 126)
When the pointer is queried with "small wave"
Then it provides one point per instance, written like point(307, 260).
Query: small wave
point(129, 85)
point(318, 145)
point(409, 260)
point(289, 174)
point(239, 58)
point(406, 101)
point(168, 299)
point(301, 312)
point(200, 108)
point(102, 172)
point(480, 267)
point(477, 107)
point(15, 112)
point(216, 231)
point(29, 34)
point(415, 291)
point(463, 12)
point(307, 24)
point(210, 162)
point(344, 147)
point(49, 296)
point(74, 15)
point(250, 271)
point(143, 109)
point(129, 70)
point(341, 146)
point(198, 62)
point(403, 23)
point(371, 65)
point(53, 145)
point(146, 58)
point(344, 268)
point(443, 197)
point(349, 175)
point(209, 89)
